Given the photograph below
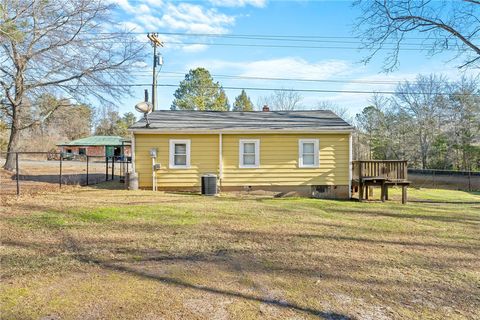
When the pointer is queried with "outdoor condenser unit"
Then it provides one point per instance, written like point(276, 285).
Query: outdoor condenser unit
point(209, 185)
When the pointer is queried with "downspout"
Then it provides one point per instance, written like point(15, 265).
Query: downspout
point(220, 158)
point(350, 166)
point(154, 175)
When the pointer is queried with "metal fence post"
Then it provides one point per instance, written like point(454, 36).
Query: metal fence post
point(60, 176)
point(113, 168)
point(433, 178)
point(87, 172)
point(470, 180)
point(16, 173)
point(106, 168)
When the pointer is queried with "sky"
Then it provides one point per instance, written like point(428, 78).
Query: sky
point(335, 55)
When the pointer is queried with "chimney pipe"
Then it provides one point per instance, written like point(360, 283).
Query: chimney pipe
point(146, 95)
point(265, 108)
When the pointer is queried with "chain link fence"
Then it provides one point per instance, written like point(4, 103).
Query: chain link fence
point(445, 179)
point(44, 171)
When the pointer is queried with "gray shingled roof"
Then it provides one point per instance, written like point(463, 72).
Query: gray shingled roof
point(318, 120)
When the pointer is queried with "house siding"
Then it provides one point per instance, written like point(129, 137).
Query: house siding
point(204, 159)
point(278, 161)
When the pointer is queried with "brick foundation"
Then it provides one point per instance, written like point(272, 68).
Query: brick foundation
point(328, 192)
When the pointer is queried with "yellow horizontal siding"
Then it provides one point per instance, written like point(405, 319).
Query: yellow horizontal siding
point(278, 160)
point(203, 159)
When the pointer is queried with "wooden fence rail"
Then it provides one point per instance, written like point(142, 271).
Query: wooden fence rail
point(390, 169)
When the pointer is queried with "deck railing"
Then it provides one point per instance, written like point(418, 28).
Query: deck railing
point(393, 170)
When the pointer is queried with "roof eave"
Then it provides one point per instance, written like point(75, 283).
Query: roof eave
point(245, 131)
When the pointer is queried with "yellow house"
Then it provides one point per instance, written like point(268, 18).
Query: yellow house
point(307, 152)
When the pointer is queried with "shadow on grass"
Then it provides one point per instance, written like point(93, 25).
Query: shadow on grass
point(242, 261)
point(442, 218)
point(183, 284)
point(67, 178)
point(108, 185)
point(441, 201)
point(272, 236)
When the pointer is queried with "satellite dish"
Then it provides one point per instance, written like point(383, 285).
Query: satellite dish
point(144, 107)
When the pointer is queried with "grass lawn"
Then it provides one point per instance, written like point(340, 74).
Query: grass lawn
point(113, 254)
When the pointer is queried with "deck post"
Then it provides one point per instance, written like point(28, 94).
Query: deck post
point(60, 175)
point(360, 190)
point(470, 180)
point(87, 172)
point(382, 192)
point(106, 168)
point(360, 182)
point(404, 194)
point(386, 192)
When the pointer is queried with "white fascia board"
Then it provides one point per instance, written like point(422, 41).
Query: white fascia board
point(155, 131)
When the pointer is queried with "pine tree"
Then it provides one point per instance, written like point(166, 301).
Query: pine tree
point(242, 102)
point(199, 92)
point(221, 103)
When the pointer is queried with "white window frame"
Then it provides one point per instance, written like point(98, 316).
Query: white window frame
point(172, 164)
point(316, 159)
point(241, 152)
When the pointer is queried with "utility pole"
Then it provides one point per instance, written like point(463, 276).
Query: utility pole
point(155, 41)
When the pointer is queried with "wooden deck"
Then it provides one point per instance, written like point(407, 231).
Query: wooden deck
point(367, 174)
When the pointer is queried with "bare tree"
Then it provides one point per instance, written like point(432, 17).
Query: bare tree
point(463, 119)
point(342, 112)
point(282, 100)
point(61, 47)
point(424, 101)
point(443, 25)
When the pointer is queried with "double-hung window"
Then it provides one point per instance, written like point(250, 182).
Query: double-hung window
point(308, 153)
point(179, 154)
point(249, 154)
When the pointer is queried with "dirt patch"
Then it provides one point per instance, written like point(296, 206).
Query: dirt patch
point(40, 176)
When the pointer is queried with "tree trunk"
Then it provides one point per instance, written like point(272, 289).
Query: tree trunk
point(13, 142)
point(11, 149)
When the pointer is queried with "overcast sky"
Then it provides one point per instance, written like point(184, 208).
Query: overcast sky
point(331, 20)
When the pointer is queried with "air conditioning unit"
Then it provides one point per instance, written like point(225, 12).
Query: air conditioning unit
point(209, 185)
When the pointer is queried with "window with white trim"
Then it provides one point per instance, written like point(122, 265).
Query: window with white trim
point(249, 154)
point(308, 153)
point(179, 154)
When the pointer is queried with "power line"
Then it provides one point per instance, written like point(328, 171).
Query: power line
point(268, 89)
point(176, 76)
point(263, 36)
point(288, 46)
point(385, 82)
point(262, 45)
point(279, 39)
